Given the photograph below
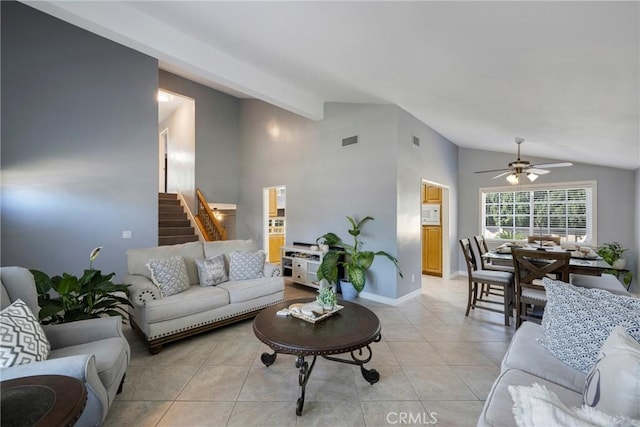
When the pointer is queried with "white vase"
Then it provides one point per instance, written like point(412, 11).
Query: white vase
point(619, 264)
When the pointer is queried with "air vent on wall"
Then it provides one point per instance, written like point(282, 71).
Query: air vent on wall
point(416, 141)
point(352, 140)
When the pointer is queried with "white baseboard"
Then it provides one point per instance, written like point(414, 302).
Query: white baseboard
point(390, 301)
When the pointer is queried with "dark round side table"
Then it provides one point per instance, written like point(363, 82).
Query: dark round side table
point(350, 330)
point(42, 400)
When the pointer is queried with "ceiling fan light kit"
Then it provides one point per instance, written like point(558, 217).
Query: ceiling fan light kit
point(518, 167)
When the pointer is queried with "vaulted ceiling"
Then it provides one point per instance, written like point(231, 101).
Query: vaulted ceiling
point(563, 75)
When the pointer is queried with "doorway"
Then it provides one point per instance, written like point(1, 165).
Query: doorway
point(274, 201)
point(176, 151)
point(435, 229)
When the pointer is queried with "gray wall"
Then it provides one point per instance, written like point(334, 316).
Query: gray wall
point(616, 194)
point(636, 279)
point(435, 160)
point(217, 162)
point(79, 145)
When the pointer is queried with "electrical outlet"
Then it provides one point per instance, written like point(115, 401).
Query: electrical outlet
point(413, 278)
point(126, 234)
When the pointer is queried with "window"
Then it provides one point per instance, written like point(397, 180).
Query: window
point(565, 210)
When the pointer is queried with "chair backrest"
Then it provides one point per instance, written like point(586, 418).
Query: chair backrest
point(530, 265)
point(18, 282)
point(467, 251)
point(539, 239)
point(481, 247)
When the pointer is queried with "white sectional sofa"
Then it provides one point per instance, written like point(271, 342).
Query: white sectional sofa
point(164, 319)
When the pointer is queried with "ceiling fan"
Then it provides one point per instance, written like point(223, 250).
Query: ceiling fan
point(518, 167)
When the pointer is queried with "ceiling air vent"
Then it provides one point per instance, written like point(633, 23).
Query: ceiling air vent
point(416, 141)
point(352, 140)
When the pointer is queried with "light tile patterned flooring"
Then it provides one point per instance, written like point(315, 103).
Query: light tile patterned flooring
point(433, 361)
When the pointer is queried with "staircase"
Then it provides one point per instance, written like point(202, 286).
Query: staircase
point(173, 225)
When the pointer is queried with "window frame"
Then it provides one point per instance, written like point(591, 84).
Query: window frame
point(593, 185)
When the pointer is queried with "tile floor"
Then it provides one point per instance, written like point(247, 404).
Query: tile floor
point(433, 362)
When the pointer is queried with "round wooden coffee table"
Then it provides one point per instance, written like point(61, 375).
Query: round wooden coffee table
point(350, 330)
point(43, 400)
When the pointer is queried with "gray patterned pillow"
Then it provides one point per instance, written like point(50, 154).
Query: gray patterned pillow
point(22, 339)
point(212, 271)
point(169, 275)
point(246, 265)
point(575, 326)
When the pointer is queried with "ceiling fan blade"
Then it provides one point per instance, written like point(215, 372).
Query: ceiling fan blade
point(502, 174)
point(536, 171)
point(494, 170)
point(553, 165)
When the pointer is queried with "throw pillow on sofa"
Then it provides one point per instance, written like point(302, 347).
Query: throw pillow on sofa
point(212, 271)
point(246, 265)
point(574, 326)
point(22, 339)
point(613, 385)
point(169, 275)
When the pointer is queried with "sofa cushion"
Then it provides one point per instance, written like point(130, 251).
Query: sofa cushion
point(196, 299)
point(536, 406)
point(137, 259)
point(575, 326)
point(608, 282)
point(524, 348)
point(110, 355)
point(613, 385)
point(246, 265)
point(245, 290)
point(212, 271)
point(225, 247)
point(499, 405)
point(169, 275)
point(22, 339)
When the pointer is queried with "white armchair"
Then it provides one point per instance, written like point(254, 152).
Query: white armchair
point(94, 351)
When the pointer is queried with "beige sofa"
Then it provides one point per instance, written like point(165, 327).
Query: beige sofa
point(164, 319)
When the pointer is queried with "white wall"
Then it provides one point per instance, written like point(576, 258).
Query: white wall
point(617, 212)
point(181, 152)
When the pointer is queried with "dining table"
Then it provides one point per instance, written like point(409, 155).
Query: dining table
point(577, 265)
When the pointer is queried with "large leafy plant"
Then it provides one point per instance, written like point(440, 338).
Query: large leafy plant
point(89, 296)
point(355, 261)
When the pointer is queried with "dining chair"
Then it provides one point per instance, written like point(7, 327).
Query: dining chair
point(479, 278)
point(481, 249)
point(542, 239)
point(530, 267)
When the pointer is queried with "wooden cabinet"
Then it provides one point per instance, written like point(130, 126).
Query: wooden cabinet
point(301, 263)
point(432, 250)
point(273, 202)
point(432, 234)
point(276, 241)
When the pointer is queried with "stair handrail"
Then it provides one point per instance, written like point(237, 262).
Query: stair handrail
point(210, 226)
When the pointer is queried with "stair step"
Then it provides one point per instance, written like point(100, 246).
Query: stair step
point(174, 231)
point(172, 209)
point(168, 202)
point(170, 196)
point(173, 223)
point(174, 240)
point(162, 216)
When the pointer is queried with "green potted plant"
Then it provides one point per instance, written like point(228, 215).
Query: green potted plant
point(89, 296)
point(352, 258)
point(612, 254)
point(327, 298)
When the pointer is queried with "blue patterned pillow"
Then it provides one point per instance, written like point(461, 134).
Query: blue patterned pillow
point(246, 265)
point(576, 326)
point(22, 339)
point(212, 271)
point(169, 275)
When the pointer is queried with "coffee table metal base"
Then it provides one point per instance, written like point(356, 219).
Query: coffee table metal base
point(304, 369)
